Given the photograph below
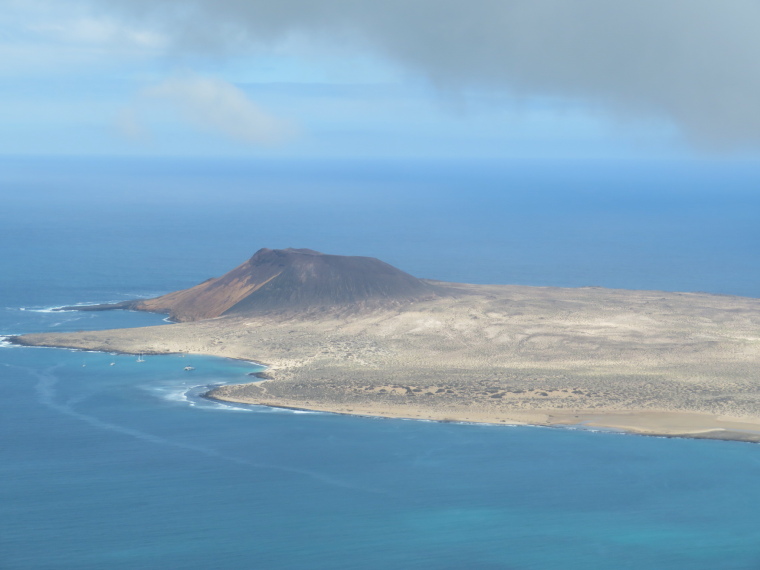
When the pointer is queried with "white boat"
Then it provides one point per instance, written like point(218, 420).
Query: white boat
point(140, 358)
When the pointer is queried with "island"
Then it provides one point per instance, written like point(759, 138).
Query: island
point(354, 335)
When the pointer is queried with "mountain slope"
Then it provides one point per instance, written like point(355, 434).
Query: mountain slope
point(294, 281)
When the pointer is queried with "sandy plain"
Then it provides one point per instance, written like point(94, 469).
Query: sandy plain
point(674, 364)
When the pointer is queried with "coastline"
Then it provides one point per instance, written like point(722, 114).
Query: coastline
point(643, 362)
point(686, 425)
point(17, 340)
point(682, 424)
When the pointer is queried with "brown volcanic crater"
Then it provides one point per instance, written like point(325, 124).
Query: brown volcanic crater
point(291, 281)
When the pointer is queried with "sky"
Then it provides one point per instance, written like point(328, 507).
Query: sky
point(366, 79)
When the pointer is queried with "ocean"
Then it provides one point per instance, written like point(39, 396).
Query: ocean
point(108, 462)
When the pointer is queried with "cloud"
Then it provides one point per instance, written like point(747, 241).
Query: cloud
point(45, 37)
point(211, 104)
point(692, 61)
point(99, 31)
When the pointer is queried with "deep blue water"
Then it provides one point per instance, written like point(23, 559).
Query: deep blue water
point(124, 466)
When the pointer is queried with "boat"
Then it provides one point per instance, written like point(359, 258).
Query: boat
point(189, 368)
point(140, 358)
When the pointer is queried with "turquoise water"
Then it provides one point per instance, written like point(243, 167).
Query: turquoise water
point(125, 466)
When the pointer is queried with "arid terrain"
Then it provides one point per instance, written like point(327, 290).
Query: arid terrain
point(643, 361)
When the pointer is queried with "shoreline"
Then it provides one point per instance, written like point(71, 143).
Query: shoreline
point(582, 420)
point(650, 363)
point(573, 420)
point(15, 340)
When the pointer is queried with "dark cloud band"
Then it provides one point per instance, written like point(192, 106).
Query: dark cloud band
point(693, 61)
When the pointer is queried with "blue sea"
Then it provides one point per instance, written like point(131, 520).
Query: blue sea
point(107, 462)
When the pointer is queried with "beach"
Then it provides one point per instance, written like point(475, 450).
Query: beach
point(648, 362)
